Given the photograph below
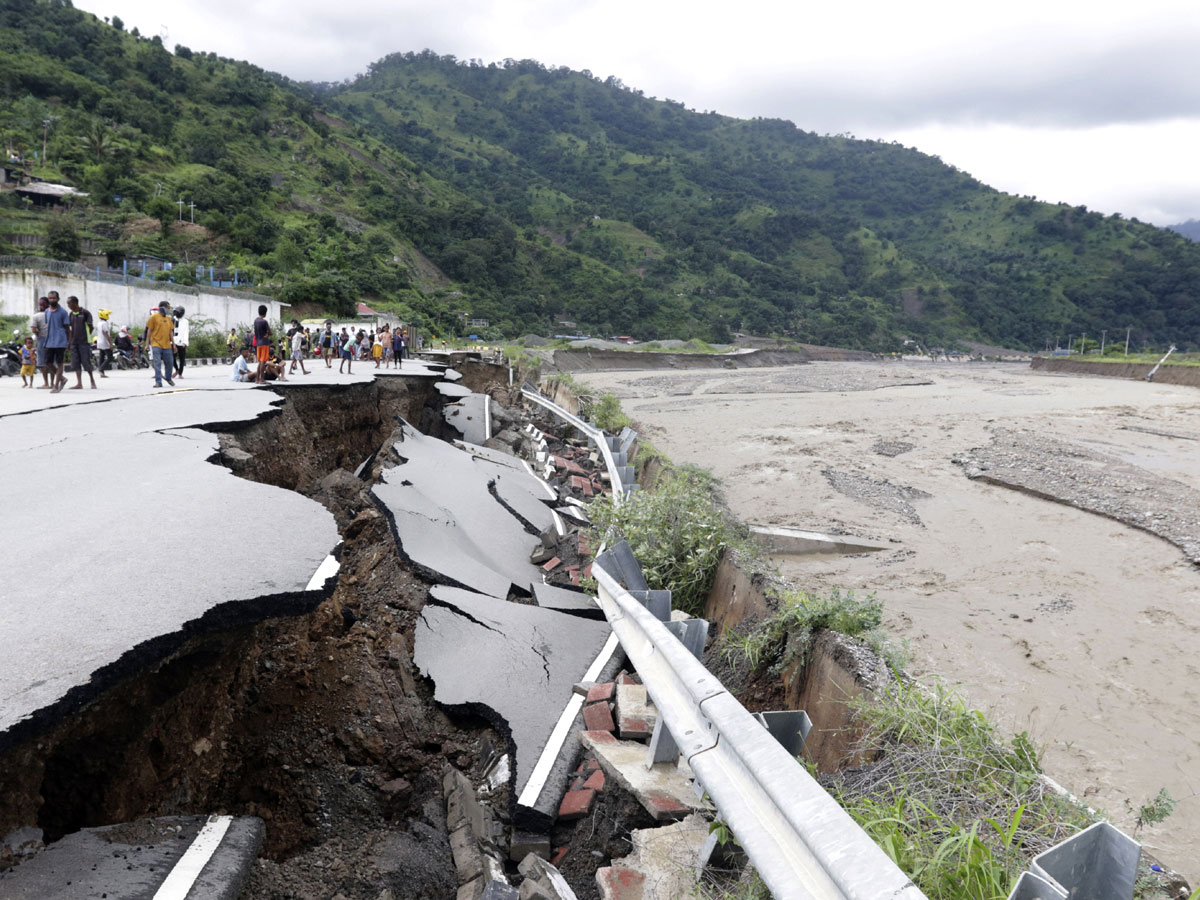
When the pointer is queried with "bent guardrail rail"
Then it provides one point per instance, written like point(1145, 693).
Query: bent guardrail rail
point(620, 486)
point(803, 844)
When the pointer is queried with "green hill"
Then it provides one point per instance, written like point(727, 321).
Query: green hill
point(523, 194)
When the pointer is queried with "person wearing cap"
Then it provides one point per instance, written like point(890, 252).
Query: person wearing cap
point(79, 328)
point(104, 341)
point(160, 330)
point(183, 330)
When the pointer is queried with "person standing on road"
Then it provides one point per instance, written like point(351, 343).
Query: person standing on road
point(104, 341)
point(28, 362)
point(183, 331)
point(79, 336)
point(262, 343)
point(298, 347)
point(398, 347)
point(159, 334)
point(56, 342)
point(347, 353)
point(37, 324)
point(328, 344)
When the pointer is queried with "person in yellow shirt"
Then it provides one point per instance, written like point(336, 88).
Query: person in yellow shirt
point(160, 334)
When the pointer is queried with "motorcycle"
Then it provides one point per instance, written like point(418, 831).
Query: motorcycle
point(10, 356)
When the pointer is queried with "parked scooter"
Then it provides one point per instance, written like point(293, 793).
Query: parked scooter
point(10, 355)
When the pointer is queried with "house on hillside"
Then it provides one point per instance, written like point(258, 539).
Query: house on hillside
point(43, 193)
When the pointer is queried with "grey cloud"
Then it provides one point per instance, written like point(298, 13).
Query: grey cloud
point(1147, 80)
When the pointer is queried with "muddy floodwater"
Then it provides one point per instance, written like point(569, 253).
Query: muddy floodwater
point(1074, 624)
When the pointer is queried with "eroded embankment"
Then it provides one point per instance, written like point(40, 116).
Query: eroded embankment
point(317, 723)
point(1187, 375)
point(601, 360)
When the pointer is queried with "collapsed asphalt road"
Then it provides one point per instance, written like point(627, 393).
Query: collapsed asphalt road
point(186, 661)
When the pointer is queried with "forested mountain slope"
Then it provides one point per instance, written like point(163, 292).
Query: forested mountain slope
point(524, 195)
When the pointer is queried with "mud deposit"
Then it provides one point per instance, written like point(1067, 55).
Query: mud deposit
point(1055, 619)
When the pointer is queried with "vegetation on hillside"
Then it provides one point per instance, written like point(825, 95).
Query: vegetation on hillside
point(453, 191)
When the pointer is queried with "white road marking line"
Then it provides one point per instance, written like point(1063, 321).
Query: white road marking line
point(192, 863)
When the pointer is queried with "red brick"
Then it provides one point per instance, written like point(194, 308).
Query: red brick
point(585, 546)
point(595, 781)
point(560, 853)
point(619, 883)
point(552, 564)
point(662, 805)
point(575, 804)
point(587, 571)
point(599, 692)
point(600, 737)
point(635, 728)
point(598, 717)
point(626, 678)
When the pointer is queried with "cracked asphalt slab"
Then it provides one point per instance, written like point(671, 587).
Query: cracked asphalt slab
point(133, 540)
point(513, 663)
point(447, 520)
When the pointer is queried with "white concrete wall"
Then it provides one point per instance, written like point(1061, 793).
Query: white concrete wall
point(130, 303)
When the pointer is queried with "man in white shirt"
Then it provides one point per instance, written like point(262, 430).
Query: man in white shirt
point(182, 335)
point(298, 336)
point(241, 366)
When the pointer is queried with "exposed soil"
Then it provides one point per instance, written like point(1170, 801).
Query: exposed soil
point(316, 723)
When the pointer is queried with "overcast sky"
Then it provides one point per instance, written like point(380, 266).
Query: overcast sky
point(1085, 101)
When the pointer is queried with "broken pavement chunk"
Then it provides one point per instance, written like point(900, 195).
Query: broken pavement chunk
point(512, 662)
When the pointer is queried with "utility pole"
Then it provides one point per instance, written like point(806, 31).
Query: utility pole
point(192, 207)
point(1103, 332)
point(1083, 344)
point(1127, 330)
point(179, 203)
point(1070, 344)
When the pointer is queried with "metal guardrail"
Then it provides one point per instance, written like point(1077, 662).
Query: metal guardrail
point(620, 489)
point(803, 844)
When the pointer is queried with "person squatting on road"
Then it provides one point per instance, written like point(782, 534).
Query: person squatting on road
point(159, 335)
point(79, 336)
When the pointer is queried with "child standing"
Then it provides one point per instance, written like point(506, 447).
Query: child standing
point(29, 362)
point(377, 349)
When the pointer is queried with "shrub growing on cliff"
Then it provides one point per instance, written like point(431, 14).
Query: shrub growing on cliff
point(677, 533)
point(958, 809)
point(790, 632)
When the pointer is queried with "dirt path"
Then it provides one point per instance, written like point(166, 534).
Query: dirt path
point(1075, 627)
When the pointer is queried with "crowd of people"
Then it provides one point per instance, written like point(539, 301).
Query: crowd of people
point(62, 338)
point(278, 357)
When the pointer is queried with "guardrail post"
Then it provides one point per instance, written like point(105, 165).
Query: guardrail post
point(620, 562)
point(692, 634)
point(788, 726)
point(1099, 863)
point(1030, 887)
point(658, 602)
